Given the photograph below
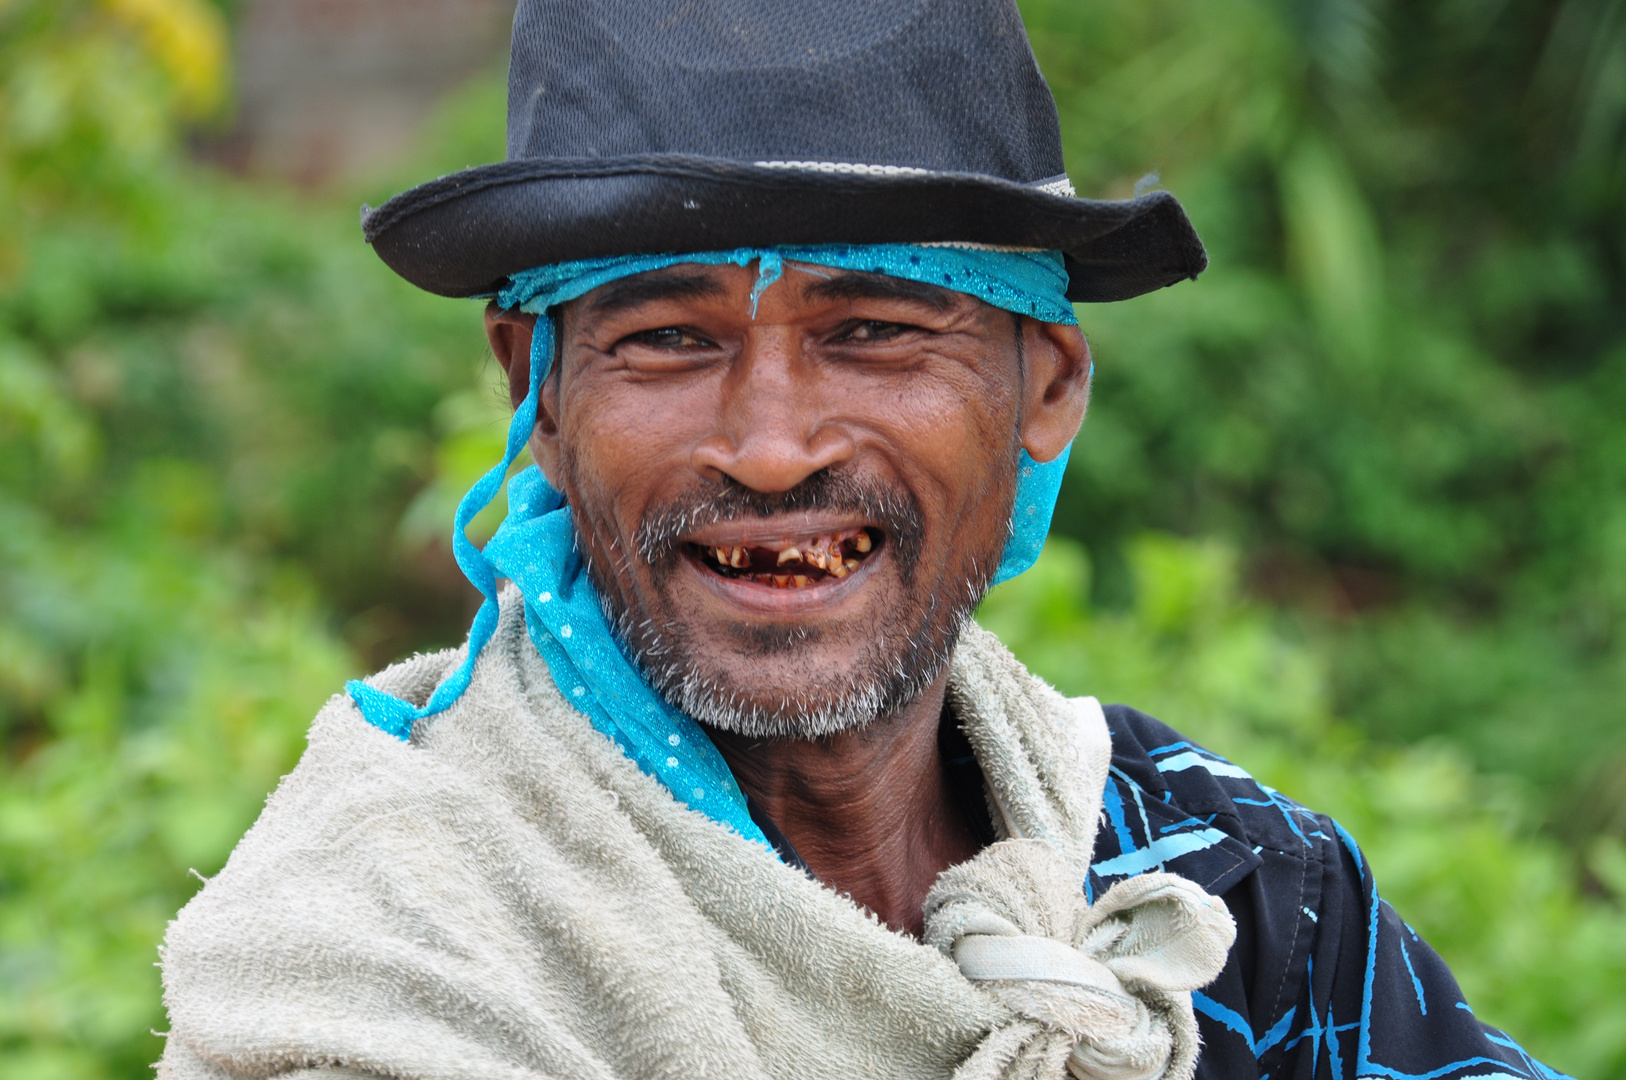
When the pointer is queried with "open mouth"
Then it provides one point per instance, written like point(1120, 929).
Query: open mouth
point(791, 564)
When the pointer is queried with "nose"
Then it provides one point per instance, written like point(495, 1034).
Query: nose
point(774, 429)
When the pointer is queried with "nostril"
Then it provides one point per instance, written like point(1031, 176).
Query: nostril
point(773, 458)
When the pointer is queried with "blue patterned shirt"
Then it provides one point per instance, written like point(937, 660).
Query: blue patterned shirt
point(1325, 981)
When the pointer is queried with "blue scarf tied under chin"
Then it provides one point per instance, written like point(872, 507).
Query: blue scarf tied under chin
point(535, 547)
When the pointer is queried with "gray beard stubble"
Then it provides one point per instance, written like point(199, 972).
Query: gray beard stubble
point(907, 652)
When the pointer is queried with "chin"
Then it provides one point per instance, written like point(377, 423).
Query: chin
point(770, 713)
point(775, 690)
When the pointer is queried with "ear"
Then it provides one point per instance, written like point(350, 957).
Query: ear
point(509, 333)
point(1056, 386)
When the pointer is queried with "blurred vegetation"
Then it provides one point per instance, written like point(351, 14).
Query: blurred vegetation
point(216, 409)
point(1399, 387)
point(230, 441)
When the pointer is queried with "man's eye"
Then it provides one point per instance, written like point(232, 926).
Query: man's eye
point(667, 337)
point(873, 330)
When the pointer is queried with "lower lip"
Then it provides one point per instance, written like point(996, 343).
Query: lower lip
point(770, 600)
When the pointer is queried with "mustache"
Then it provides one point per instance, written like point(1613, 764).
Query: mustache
point(890, 507)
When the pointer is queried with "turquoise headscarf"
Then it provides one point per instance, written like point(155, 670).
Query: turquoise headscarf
point(535, 547)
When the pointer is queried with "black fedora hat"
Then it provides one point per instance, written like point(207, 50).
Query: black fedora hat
point(641, 126)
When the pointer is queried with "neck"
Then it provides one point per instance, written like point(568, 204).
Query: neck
point(871, 812)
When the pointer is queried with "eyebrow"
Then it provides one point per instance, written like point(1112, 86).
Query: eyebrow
point(859, 285)
point(631, 292)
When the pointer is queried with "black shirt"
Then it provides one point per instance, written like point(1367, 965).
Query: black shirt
point(1325, 980)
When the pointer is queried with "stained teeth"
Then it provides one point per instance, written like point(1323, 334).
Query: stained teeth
point(837, 555)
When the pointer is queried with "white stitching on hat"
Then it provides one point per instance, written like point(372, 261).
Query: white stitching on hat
point(1059, 186)
point(847, 168)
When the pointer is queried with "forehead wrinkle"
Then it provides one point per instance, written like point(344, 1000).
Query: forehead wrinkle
point(630, 292)
point(860, 285)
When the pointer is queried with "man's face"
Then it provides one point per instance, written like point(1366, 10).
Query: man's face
point(788, 515)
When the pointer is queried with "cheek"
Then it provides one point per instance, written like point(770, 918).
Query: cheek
point(623, 446)
point(956, 439)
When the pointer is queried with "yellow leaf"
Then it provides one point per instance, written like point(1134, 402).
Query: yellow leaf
point(188, 40)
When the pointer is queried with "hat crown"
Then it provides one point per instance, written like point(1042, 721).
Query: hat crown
point(941, 85)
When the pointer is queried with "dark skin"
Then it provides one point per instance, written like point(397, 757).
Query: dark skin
point(666, 383)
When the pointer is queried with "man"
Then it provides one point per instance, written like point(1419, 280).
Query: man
point(725, 783)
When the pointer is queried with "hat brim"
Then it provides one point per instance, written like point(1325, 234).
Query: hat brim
point(464, 234)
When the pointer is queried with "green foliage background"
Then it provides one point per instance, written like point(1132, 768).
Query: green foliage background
point(1351, 510)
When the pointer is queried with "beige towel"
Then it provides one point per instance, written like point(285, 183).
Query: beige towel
point(508, 896)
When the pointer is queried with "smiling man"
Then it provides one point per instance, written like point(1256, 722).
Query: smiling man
point(725, 782)
point(789, 507)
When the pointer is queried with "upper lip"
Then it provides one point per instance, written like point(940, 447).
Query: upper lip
point(770, 532)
